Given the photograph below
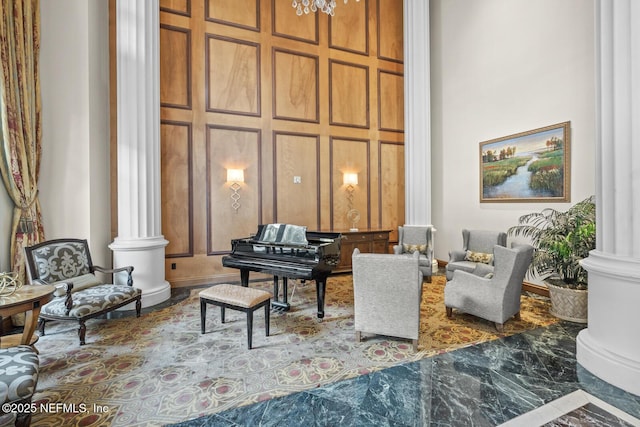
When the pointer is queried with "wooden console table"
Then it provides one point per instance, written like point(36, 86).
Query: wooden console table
point(367, 241)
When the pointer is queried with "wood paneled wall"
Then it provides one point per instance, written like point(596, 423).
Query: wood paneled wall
point(247, 84)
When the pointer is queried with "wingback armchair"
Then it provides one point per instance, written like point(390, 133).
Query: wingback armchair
point(494, 296)
point(80, 295)
point(417, 238)
point(477, 248)
point(387, 292)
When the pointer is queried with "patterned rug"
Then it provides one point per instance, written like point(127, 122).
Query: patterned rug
point(159, 369)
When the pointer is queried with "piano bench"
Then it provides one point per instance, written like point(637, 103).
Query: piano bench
point(238, 298)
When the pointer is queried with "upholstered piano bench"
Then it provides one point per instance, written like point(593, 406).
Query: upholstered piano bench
point(238, 298)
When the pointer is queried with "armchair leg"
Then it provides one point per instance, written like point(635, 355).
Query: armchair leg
point(358, 336)
point(449, 312)
point(41, 323)
point(415, 345)
point(138, 306)
point(428, 279)
point(500, 327)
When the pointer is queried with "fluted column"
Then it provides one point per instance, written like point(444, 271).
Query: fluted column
point(610, 346)
point(417, 113)
point(139, 241)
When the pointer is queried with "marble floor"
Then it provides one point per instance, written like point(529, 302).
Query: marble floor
point(522, 380)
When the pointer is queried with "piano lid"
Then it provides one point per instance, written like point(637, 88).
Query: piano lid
point(286, 234)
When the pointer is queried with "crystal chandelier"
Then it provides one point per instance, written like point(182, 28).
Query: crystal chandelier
point(307, 6)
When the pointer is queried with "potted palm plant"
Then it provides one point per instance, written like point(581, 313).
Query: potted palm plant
point(562, 239)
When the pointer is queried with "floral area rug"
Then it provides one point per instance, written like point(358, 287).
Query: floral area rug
point(159, 369)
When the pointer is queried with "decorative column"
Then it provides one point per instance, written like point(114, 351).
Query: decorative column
point(139, 241)
point(610, 346)
point(417, 113)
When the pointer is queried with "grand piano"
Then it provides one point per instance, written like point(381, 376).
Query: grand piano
point(289, 252)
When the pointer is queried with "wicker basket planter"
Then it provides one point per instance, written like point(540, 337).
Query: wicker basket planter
point(568, 304)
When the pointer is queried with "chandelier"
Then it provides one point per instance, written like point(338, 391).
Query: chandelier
point(307, 6)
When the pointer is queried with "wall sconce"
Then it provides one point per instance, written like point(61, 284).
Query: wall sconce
point(235, 177)
point(350, 179)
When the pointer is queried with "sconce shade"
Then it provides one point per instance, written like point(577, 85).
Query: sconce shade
point(235, 175)
point(350, 178)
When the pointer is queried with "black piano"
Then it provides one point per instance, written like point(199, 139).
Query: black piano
point(289, 252)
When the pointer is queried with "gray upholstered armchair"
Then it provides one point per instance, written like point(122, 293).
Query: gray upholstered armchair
point(387, 292)
point(494, 296)
point(412, 238)
point(80, 295)
point(477, 248)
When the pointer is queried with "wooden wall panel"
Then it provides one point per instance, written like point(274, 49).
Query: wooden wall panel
point(175, 64)
point(297, 202)
point(348, 94)
point(391, 173)
point(350, 156)
point(240, 13)
point(231, 148)
point(390, 37)
point(287, 24)
point(295, 86)
point(232, 76)
point(256, 87)
point(349, 29)
point(179, 7)
point(390, 101)
point(176, 188)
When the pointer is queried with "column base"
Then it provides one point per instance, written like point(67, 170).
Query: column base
point(609, 347)
point(146, 255)
point(616, 370)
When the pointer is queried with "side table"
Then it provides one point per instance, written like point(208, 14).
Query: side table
point(28, 299)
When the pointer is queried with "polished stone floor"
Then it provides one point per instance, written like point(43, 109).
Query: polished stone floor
point(523, 380)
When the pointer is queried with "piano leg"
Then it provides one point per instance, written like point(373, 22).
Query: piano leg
point(276, 303)
point(244, 277)
point(321, 284)
point(276, 288)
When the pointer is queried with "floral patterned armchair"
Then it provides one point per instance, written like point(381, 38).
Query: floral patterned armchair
point(80, 295)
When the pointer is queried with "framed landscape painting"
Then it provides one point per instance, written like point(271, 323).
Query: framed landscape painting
point(532, 166)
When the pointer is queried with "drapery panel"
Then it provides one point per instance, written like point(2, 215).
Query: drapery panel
point(21, 122)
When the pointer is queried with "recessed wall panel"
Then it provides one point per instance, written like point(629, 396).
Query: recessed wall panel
point(391, 101)
point(231, 148)
point(295, 86)
point(349, 94)
point(238, 13)
point(390, 37)
point(349, 156)
point(176, 194)
point(349, 27)
point(297, 186)
point(233, 76)
point(175, 67)
point(179, 7)
point(287, 24)
point(391, 172)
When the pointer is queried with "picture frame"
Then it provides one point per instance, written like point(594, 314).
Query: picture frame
point(531, 166)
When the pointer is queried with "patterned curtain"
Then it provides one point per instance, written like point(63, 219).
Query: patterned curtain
point(21, 122)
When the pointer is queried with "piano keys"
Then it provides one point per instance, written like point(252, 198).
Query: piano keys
point(289, 252)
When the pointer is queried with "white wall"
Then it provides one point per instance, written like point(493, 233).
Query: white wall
point(74, 178)
point(500, 67)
